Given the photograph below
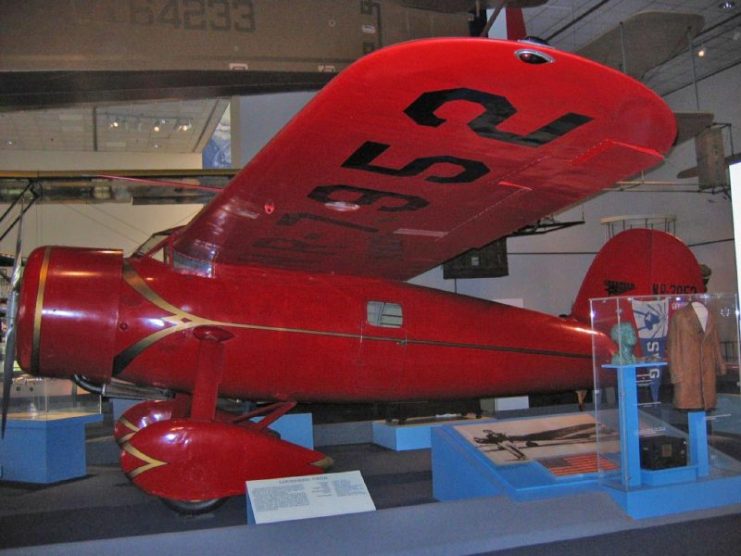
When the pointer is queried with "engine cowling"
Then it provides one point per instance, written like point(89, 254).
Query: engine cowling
point(68, 312)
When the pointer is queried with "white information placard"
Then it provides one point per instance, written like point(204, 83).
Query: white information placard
point(290, 498)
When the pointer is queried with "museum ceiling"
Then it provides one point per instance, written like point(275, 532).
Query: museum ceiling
point(184, 125)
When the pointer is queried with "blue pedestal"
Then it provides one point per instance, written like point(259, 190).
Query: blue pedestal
point(696, 486)
point(457, 472)
point(630, 449)
point(296, 428)
point(410, 436)
point(650, 501)
point(45, 450)
point(120, 406)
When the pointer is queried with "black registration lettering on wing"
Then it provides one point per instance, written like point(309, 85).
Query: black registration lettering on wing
point(361, 159)
point(385, 248)
point(497, 110)
point(293, 218)
point(328, 194)
point(283, 244)
point(345, 198)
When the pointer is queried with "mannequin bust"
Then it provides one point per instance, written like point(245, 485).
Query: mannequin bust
point(625, 336)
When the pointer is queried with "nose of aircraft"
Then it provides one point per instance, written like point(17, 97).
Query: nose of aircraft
point(68, 312)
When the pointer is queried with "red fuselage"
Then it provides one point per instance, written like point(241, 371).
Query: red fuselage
point(296, 335)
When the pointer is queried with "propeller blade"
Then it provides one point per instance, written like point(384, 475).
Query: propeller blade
point(10, 316)
point(7, 376)
point(15, 278)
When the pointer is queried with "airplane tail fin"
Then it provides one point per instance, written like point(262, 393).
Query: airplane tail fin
point(639, 262)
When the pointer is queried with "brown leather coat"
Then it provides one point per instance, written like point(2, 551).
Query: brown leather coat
point(694, 358)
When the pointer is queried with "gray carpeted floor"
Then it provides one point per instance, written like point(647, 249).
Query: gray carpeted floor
point(106, 506)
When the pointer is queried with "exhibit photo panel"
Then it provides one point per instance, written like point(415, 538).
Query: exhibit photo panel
point(666, 395)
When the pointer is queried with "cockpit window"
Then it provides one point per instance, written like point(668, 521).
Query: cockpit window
point(153, 241)
point(195, 266)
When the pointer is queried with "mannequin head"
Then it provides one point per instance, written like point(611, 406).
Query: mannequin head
point(624, 336)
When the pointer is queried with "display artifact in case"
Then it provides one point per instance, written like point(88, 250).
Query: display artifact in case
point(50, 398)
point(677, 400)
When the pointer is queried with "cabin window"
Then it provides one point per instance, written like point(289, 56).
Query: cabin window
point(387, 315)
point(189, 264)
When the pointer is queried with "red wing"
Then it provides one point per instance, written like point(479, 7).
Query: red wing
point(423, 150)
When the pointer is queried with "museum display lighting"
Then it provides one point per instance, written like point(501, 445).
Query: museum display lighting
point(184, 125)
point(728, 5)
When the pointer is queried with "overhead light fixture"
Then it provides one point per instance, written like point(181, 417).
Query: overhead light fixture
point(10, 142)
point(156, 146)
point(184, 125)
point(701, 53)
point(115, 123)
point(158, 125)
point(728, 5)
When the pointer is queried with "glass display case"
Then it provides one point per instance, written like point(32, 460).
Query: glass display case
point(666, 395)
point(48, 398)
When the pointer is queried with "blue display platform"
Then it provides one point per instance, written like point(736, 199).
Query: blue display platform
point(296, 428)
point(460, 471)
point(705, 482)
point(47, 449)
point(700, 494)
point(410, 435)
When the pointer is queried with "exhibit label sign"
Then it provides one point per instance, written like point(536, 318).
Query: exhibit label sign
point(291, 498)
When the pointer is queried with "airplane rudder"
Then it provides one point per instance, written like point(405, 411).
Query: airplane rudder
point(639, 262)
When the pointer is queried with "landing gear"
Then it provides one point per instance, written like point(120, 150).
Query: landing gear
point(195, 507)
point(192, 456)
point(192, 460)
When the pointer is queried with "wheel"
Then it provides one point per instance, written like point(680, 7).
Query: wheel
point(193, 507)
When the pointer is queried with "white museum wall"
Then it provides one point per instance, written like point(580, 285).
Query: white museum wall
point(109, 225)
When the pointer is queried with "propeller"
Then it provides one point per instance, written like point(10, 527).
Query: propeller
point(10, 317)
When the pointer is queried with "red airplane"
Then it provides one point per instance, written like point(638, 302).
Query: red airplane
point(289, 287)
